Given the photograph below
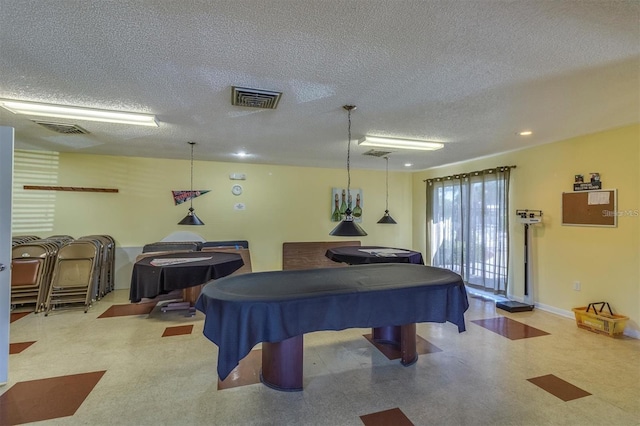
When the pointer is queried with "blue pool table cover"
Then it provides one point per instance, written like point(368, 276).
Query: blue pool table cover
point(244, 310)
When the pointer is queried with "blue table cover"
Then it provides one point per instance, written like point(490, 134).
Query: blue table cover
point(244, 310)
point(150, 281)
point(360, 255)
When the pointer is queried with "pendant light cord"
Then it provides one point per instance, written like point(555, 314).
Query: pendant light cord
point(349, 158)
point(387, 179)
point(349, 108)
point(191, 193)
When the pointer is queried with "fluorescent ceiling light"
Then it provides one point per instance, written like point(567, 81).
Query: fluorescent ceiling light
point(78, 113)
point(525, 133)
point(400, 143)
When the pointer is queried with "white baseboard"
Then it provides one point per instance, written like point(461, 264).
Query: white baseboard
point(628, 331)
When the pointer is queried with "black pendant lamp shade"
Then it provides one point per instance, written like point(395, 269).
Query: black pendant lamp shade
point(386, 218)
point(348, 228)
point(191, 218)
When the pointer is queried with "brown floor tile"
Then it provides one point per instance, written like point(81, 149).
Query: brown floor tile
point(130, 309)
point(178, 330)
point(15, 316)
point(509, 328)
point(44, 399)
point(393, 352)
point(558, 387)
point(16, 348)
point(246, 373)
point(394, 417)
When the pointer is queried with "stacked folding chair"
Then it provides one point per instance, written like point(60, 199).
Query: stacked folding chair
point(106, 264)
point(32, 265)
point(74, 275)
point(111, 269)
point(21, 239)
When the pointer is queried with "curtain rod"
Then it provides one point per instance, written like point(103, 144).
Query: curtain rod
point(474, 173)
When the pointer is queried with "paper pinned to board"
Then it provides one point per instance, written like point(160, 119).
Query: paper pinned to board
point(176, 260)
point(599, 197)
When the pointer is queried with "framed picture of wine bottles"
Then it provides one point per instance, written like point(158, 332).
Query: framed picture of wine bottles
point(340, 202)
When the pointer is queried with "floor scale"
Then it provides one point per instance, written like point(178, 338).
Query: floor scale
point(528, 218)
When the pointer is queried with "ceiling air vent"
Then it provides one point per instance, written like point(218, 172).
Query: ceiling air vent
point(377, 153)
point(66, 129)
point(254, 98)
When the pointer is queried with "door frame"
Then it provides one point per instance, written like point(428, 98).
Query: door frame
point(6, 186)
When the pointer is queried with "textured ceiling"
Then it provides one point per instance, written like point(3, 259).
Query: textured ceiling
point(467, 73)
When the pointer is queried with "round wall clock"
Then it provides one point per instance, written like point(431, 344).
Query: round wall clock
point(236, 189)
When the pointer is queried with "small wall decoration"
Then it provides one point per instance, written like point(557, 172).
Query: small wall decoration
point(180, 197)
point(340, 201)
point(594, 182)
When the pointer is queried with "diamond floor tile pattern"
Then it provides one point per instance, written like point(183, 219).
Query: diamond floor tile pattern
point(45, 399)
point(509, 328)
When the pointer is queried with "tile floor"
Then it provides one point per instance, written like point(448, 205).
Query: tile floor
point(129, 365)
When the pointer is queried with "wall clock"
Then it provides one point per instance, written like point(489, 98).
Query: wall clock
point(236, 189)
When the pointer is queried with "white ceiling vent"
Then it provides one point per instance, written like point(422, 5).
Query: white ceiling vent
point(254, 98)
point(66, 129)
point(377, 153)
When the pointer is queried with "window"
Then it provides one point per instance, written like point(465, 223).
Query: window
point(33, 211)
point(467, 227)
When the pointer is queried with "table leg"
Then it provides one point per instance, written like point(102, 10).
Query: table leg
point(400, 336)
point(408, 344)
point(190, 294)
point(389, 335)
point(282, 364)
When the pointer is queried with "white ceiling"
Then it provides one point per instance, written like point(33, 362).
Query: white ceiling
point(468, 73)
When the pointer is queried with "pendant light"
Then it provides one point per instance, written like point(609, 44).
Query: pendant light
point(386, 218)
point(191, 218)
point(348, 228)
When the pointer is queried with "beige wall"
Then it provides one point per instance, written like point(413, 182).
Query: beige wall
point(293, 204)
point(282, 203)
point(605, 260)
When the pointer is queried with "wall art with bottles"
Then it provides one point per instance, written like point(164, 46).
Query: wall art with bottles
point(340, 201)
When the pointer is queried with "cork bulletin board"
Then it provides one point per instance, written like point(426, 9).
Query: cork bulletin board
point(590, 208)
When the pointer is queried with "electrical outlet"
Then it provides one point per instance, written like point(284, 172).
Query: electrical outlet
point(576, 285)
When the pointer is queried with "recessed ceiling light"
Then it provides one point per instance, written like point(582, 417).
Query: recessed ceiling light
point(242, 154)
point(400, 143)
point(525, 133)
point(78, 113)
point(408, 164)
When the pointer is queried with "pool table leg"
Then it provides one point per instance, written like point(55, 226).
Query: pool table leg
point(408, 344)
point(282, 364)
point(400, 336)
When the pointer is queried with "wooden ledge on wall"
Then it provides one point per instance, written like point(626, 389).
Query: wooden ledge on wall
point(69, 188)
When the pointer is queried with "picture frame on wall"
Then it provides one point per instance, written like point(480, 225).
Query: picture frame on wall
point(340, 202)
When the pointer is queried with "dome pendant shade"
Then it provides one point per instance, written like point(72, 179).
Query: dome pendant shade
point(386, 218)
point(191, 219)
point(348, 228)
